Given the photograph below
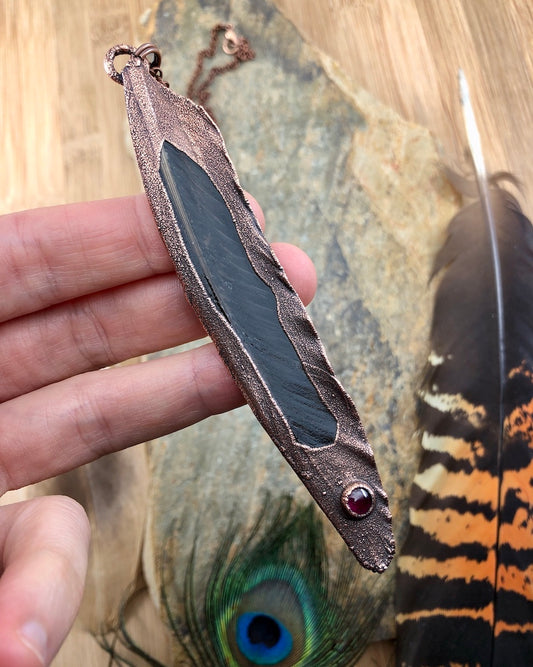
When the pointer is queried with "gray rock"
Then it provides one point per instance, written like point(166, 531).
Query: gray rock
point(357, 188)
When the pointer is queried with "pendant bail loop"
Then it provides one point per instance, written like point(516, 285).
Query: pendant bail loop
point(147, 51)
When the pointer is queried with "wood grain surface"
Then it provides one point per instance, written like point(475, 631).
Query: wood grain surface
point(63, 139)
point(407, 54)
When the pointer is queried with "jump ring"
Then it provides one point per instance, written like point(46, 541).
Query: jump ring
point(230, 46)
point(148, 49)
point(109, 64)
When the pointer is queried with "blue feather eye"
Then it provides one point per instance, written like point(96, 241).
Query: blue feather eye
point(271, 597)
point(262, 638)
point(272, 618)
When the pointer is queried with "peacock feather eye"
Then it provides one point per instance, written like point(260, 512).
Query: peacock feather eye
point(267, 626)
point(263, 639)
point(269, 595)
point(272, 618)
point(271, 599)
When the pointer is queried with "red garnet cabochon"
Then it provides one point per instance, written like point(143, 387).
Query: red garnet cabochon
point(357, 500)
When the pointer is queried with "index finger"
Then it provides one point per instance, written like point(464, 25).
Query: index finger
point(51, 255)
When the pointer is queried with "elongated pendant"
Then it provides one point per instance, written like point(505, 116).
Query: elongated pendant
point(246, 304)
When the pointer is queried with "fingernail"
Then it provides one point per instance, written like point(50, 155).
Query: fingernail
point(34, 636)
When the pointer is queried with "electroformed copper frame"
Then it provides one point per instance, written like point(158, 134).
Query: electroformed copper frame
point(330, 471)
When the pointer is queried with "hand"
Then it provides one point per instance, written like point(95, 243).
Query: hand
point(84, 287)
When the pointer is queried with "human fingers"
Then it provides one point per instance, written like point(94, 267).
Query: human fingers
point(107, 327)
point(258, 211)
point(51, 255)
point(44, 544)
point(299, 268)
point(69, 423)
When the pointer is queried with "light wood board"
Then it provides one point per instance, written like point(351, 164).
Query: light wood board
point(62, 129)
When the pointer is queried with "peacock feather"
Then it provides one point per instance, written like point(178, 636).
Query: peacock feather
point(272, 597)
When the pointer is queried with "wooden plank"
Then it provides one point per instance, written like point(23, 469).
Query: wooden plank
point(63, 139)
point(407, 53)
point(30, 129)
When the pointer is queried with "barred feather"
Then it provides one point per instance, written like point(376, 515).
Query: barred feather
point(465, 582)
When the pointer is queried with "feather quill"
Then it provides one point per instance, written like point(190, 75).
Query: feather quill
point(465, 574)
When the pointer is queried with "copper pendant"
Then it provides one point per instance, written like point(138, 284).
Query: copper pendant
point(245, 302)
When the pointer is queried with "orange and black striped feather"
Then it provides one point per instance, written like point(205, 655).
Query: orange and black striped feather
point(465, 574)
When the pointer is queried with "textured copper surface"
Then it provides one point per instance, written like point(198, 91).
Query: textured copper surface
point(157, 114)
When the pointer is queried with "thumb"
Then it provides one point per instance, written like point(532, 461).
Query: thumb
point(43, 546)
